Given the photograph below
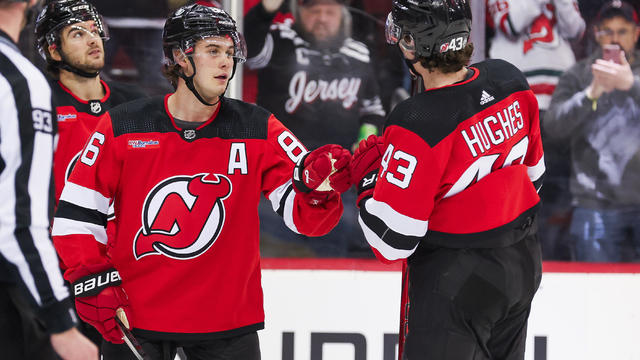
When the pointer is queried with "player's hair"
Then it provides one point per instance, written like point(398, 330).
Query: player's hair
point(448, 62)
point(170, 72)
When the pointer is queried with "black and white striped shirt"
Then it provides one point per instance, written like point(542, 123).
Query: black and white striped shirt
point(27, 140)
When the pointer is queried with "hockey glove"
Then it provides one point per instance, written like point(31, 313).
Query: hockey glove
point(322, 173)
point(365, 165)
point(98, 297)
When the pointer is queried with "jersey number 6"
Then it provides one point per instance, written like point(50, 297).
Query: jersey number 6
point(90, 153)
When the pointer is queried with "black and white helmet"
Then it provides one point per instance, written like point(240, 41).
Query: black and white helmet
point(193, 22)
point(60, 13)
point(429, 27)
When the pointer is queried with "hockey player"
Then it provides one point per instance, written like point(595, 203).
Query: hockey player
point(70, 37)
point(186, 172)
point(457, 171)
point(36, 321)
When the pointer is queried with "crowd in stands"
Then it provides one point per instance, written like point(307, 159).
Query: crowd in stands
point(323, 68)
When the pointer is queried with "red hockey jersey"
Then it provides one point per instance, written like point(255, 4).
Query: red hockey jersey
point(187, 230)
point(77, 119)
point(462, 165)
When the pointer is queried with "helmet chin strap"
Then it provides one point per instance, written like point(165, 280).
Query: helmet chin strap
point(410, 64)
point(64, 64)
point(189, 82)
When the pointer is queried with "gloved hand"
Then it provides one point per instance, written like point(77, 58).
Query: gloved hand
point(322, 173)
point(365, 164)
point(98, 297)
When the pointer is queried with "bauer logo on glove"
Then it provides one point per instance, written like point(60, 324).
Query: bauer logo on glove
point(92, 284)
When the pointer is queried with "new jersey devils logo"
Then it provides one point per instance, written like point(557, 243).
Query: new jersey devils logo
point(182, 216)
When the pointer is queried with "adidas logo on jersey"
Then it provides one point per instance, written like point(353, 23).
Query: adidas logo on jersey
point(486, 98)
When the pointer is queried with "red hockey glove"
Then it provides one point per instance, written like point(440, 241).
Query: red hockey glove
point(365, 165)
point(323, 172)
point(98, 297)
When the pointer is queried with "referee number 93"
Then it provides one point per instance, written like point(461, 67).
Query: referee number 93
point(42, 121)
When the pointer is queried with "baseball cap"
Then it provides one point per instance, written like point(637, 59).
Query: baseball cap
point(618, 8)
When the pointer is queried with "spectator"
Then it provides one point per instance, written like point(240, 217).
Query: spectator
point(135, 27)
point(35, 321)
point(312, 74)
point(595, 108)
point(534, 35)
point(320, 83)
point(186, 172)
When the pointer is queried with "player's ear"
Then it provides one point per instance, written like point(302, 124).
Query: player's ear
point(54, 53)
point(180, 58)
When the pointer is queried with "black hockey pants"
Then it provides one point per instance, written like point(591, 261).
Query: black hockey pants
point(472, 304)
point(242, 347)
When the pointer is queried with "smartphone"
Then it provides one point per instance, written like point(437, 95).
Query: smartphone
point(611, 52)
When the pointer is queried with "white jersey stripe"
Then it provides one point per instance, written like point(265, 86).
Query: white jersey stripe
point(262, 59)
point(354, 54)
point(536, 171)
point(287, 215)
point(389, 253)
point(62, 226)
point(85, 197)
point(397, 222)
point(276, 200)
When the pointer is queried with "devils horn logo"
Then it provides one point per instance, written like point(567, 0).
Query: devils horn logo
point(182, 216)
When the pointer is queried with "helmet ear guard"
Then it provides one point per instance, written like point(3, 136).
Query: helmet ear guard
point(434, 26)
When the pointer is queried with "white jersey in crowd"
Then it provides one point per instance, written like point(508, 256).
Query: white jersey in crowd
point(533, 35)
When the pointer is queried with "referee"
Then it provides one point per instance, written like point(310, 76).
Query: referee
point(35, 317)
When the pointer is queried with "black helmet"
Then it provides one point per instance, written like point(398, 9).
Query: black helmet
point(429, 26)
point(57, 14)
point(54, 17)
point(193, 22)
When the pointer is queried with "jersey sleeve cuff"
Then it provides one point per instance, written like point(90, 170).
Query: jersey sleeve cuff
point(59, 316)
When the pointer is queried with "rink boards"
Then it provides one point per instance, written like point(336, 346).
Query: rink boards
point(326, 309)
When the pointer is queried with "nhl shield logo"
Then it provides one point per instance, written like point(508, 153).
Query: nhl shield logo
point(189, 134)
point(95, 107)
